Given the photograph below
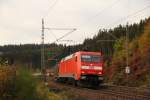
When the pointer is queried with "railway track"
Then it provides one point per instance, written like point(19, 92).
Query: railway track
point(131, 90)
point(106, 92)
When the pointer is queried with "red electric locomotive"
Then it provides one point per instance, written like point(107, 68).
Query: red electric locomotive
point(82, 67)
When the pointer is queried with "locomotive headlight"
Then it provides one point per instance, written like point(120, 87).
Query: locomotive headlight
point(83, 77)
point(84, 67)
point(98, 68)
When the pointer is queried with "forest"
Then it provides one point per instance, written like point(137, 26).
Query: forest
point(111, 42)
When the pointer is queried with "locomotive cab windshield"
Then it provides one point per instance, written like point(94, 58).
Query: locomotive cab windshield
point(91, 58)
point(91, 64)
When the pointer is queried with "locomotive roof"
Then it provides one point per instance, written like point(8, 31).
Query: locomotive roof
point(88, 52)
point(81, 52)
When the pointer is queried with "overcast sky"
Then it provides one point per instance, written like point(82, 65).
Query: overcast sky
point(20, 20)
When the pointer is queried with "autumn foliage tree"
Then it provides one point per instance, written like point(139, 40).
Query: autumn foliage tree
point(139, 61)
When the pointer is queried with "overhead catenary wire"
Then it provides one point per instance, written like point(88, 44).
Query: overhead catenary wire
point(125, 18)
point(110, 7)
point(100, 12)
point(122, 19)
point(42, 43)
point(73, 29)
point(60, 28)
point(104, 9)
point(53, 34)
point(50, 8)
point(69, 41)
point(68, 33)
point(128, 16)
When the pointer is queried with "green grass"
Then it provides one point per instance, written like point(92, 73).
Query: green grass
point(29, 88)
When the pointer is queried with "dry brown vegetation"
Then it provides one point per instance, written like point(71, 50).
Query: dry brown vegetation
point(139, 61)
point(7, 77)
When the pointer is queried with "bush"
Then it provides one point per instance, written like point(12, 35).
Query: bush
point(26, 87)
point(29, 88)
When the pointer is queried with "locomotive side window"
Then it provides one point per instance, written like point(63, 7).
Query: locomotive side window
point(90, 58)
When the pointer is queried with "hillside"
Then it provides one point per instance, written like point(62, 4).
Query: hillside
point(139, 61)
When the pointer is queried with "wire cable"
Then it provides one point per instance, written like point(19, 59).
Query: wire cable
point(100, 12)
point(130, 15)
point(50, 8)
point(121, 19)
point(53, 34)
point(126, 17)
point(106, 8)
point(65, 35)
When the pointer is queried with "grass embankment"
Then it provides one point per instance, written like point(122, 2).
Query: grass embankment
point(21, 85)
point(29, 88)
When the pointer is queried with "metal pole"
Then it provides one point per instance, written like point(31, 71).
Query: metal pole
point(42, 48)
point(127, 69)
point(127, 53)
